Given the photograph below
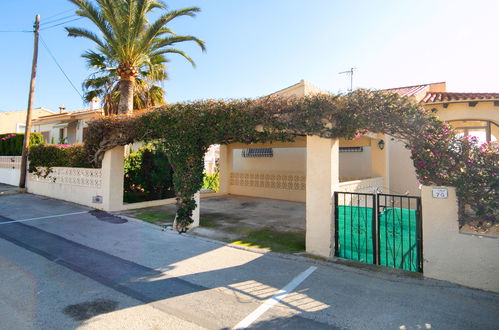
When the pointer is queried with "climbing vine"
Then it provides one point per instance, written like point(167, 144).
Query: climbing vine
point(188, 129)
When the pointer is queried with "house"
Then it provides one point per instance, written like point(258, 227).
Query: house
point(374, 162)
point(15, 121)
point(475, 114)
point(66, 127)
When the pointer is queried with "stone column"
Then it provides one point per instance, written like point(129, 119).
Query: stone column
point(113, 179)
point(322, 181)
point(225, 165)
point(380, 165)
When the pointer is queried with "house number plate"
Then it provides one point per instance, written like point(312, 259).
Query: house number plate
point(440, 193)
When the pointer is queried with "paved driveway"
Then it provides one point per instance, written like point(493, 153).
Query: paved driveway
point(66, 266)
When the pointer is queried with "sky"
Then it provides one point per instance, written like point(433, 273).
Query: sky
point(256, 47)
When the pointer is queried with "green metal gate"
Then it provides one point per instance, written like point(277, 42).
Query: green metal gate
point(379, 229)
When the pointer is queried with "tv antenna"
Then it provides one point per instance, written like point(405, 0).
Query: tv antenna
point(349, 72)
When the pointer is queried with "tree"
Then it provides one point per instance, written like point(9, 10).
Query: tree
point(129, 43)
point(104, 83)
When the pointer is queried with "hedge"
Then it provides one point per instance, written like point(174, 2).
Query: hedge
point(60, 155)
point(12, 144)
point(148, 175)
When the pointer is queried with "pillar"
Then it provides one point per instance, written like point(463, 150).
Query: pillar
point(225, 166)
point(196, 213)
point(322, 181)
point(113, 179)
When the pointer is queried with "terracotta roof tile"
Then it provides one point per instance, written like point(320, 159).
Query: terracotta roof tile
point(436, 97)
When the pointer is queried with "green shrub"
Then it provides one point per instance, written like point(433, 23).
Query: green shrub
point(148, 175)
point(53, 155)
point(12, 144)
point(211, 181)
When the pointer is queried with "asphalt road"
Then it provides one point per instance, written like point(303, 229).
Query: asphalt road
point(67, 267)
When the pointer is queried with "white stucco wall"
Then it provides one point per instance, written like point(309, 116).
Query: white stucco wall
point(402, 172)
point(10, 170)
point(285, 160)
point(356, 164)
point(10, 176)
point(78, 188)
point(450, 255)
point(293, 161)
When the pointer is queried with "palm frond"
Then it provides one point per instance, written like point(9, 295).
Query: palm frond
point(127, 39)
point(169, 41)
point(175, 51)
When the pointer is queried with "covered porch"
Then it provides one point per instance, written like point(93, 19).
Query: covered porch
point(308, 170)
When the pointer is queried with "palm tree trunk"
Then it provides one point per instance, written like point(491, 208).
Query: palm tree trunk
point(126, 96)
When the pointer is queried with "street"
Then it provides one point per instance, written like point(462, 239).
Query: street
point(66, 266)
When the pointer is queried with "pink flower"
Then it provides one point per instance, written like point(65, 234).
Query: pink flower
point(172, 166)
point(63, 146)
point(422, 164)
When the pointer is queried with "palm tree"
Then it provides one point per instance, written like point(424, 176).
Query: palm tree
point(129, 42)
point(104, 83)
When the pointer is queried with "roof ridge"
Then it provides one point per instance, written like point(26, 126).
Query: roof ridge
point(417, 85)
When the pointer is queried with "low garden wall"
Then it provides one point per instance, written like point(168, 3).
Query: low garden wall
point(292, 187)
point(282, 186)
point(362, 185)
point(72, 184)
point(99, 188)
point(451, 255)
point(10, 169)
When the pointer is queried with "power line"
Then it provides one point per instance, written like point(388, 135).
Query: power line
point(14, 31)
point(59, 14)
point(60, 68)
point(49, 27)
point(58, 19)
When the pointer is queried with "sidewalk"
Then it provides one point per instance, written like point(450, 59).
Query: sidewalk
point(217, 286)
point(6, 189)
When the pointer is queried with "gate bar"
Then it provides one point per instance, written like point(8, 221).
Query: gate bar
point(419, 223)
point(336, 228)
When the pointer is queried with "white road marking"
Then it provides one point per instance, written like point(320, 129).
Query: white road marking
point(269, 303)
point(40, 218)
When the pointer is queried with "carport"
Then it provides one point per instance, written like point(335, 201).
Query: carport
point(312, 188)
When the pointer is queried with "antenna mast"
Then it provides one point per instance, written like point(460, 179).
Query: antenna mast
point(349, 72)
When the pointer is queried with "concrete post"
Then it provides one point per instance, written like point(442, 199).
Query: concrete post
point(196, 213)
point(225, 164)
point(113, 179)
point(380, 163)
point(450, 254)
point(322, 181)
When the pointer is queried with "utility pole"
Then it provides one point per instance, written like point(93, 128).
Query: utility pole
point(27, 131)
point(349, 72)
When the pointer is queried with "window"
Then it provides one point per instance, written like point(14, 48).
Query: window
point(46, 136)
point(84, 134)
point(351, 149)
point(257, 152)
point(484, 130)
point(20, 128)
point(62, 137)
